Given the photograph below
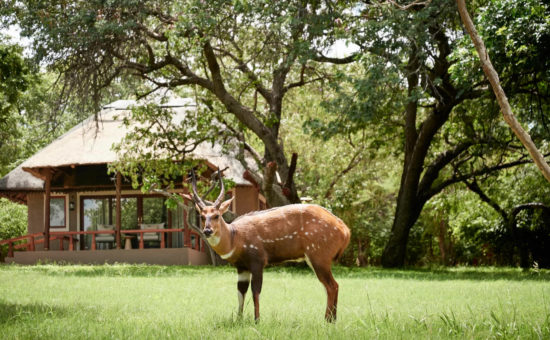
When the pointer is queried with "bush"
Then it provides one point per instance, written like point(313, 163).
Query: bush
point(13, 220)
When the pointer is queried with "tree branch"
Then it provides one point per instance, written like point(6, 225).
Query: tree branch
point(474, 187)
point(460, 178)
point(243, 67)
point(354, 161)
point(337, 61)
point(442, 160)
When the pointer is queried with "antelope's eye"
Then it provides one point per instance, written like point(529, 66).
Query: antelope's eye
point(203, 217)
point(215, 217)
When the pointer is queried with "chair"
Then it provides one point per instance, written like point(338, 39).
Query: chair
point(105, 238)
point(151, 236)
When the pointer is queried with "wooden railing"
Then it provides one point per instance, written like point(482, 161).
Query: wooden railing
point(71, 236)
point(144, 231)
point(30, 245)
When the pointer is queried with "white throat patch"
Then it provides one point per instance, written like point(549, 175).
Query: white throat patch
point(213, 240)
point(227, 255)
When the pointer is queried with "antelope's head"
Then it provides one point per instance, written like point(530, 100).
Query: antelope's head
point(211, 215)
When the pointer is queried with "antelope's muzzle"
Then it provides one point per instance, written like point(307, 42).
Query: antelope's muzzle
point(207, 232)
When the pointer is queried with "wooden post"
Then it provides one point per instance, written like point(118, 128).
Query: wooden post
point(118, 209)
point(10, 249)
point(187, 231)
point(140, 210)
point(93, 242)
point(48, 185)
point(110, 199)
point(32, 243)
point(169, 222)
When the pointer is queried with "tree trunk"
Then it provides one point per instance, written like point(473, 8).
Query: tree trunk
point(442, 232)
point(406, 215)
point(361, 260)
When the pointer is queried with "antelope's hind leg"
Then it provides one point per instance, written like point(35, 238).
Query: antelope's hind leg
point(243, 282)
point(324, 273)
point(257, 279)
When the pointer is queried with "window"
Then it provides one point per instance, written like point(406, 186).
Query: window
point(193, 241)
point(57, 212)
point(154, 210)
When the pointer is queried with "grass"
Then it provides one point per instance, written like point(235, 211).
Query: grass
point(157, 302)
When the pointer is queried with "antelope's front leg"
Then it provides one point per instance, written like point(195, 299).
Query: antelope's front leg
point(257, 278)
point(243, 282)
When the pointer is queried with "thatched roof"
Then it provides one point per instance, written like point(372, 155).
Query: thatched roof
point(91, 141)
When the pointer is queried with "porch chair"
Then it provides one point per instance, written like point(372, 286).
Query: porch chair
point(151, 236)
point(105, 239)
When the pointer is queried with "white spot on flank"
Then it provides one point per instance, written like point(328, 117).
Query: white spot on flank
point(306, 233)
point(245, 246)
point(295, 232)
point(307, 247)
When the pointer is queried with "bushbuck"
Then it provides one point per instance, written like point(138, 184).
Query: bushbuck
point(288, 233)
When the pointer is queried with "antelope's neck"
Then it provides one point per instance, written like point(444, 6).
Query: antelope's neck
point(222, 243)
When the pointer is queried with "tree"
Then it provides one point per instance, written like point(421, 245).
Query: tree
point(244, 55)
point(417, 85)
point(15, 79)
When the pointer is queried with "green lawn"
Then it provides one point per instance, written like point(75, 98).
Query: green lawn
point(152, 302)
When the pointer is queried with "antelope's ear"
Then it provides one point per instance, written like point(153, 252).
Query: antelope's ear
point(225, 205)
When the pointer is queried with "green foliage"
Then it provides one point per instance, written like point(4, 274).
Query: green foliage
point(15, 78)
point(13, 222)
point(13, 219)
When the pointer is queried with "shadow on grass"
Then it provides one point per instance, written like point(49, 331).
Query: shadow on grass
point(35, 312)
